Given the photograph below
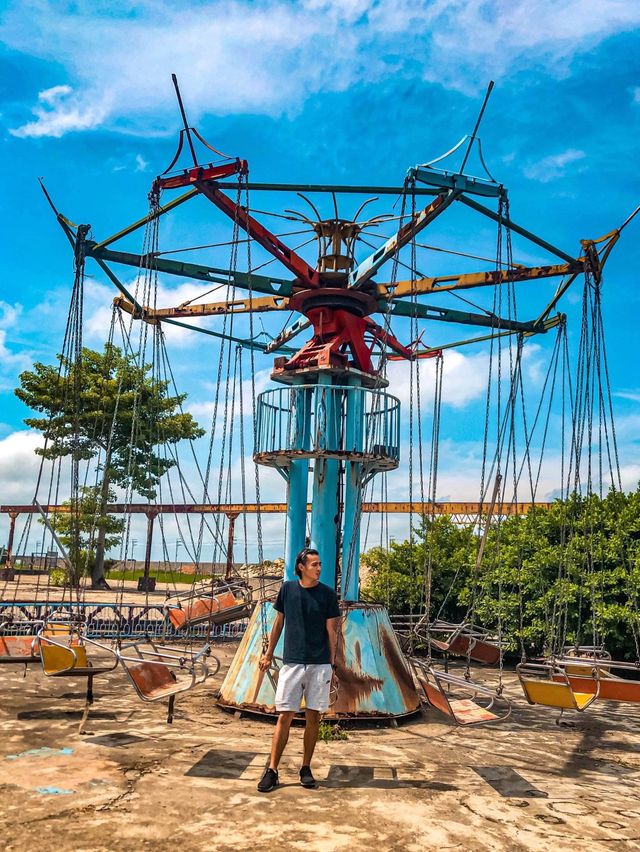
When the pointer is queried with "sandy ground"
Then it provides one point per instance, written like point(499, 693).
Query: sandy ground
point(133, 782)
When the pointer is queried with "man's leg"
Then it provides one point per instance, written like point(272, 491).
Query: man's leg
point(280, 738)
point(311, 729)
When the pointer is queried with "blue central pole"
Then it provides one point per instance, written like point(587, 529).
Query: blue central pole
point(324, 501)
point(298, 479)
point(353, 483)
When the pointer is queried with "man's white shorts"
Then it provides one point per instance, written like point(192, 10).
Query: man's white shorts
point(296, 680)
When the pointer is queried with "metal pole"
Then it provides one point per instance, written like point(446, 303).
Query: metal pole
point(228, 574)
point(12, 529)
point(151, 516)
point(324, 502)
point(350, 577)
point(298, 479)
point(187, 129)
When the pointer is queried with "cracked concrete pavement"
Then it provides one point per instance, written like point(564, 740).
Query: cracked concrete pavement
point(134, 782)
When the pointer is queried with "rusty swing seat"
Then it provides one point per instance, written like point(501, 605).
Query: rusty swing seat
point(463, 640)
point(161, 671)
point(219, 604)
point(481, 705)
point(21, 647)
point(549, 685)
point(63, 653)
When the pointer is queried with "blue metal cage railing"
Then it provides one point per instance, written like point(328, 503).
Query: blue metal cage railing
point(283, 414)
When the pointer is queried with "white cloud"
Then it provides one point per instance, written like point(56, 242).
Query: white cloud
point(59, 111)
point(464, 379)
point(634, 396)
point(203, 410)
point(11, 362)
point(19, 466)
point(117, 64)
point(554, 166)
point(99, 307)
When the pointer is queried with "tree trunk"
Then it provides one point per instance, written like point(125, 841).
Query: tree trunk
point(97, 572)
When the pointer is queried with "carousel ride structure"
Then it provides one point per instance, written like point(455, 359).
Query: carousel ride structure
point(330, 424)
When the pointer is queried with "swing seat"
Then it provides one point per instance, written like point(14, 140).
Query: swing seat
point(463, 640)
point(159, 671)
point(58, 660)
point(549, 685)
point(153, 680)
point(19, 649)
point(69, 658)
point(440, 689)
point(608, 686)
point(229, 602)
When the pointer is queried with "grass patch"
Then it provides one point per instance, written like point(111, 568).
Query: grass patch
point(330, 733)
point(160, 576)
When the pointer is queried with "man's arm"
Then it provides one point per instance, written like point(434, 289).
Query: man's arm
point(276, 630)
point(332, 633)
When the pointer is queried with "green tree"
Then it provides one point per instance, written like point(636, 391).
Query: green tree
point(397, 577)
point(569, 573)
point(79, 530)
point(110, 409)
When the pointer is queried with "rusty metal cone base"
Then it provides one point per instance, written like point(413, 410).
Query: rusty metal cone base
point(373, 680)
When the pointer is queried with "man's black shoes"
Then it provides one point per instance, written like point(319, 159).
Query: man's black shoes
point(306, 777)
point(269, 781)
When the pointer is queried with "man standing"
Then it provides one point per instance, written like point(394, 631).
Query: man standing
point(309, 612)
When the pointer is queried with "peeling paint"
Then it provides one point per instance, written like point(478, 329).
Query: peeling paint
point(53, 791)
point(40, 752)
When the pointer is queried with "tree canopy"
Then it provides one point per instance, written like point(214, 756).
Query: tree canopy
point(105, 406)
point(568, 573)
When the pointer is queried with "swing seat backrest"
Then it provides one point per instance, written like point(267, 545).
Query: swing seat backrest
point(56, 628)
point(57, 659)
point(477, 649)
point(608, 687)
point(463, 711)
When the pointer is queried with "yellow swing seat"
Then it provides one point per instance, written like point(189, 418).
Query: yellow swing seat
point(596, 676)
point(549, 685)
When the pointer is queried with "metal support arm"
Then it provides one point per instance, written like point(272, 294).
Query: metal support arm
point(306, 275)
point(211, 274)
point(478, 279)
point(368, 268)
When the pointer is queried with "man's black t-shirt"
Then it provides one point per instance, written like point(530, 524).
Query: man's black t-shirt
point(306, 610)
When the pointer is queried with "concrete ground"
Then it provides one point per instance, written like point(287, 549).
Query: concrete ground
point(135, 783)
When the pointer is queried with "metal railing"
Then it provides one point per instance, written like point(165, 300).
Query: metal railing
point(330, 421)
point(110, 620)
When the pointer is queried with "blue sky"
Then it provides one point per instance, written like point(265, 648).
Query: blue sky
point(331, 92)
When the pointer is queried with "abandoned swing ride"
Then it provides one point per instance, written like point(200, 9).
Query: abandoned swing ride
point(331, 425)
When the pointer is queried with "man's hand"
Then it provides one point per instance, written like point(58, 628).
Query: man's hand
point(265, 662)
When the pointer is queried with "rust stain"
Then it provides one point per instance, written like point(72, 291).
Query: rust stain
point(398, 669)
point(358, 653)
point(353, 686)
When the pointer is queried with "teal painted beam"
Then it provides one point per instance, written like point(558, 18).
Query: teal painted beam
point(247, 344)
point(210, 274)
point(353, 486)
point(517, 229)
point(451, 180)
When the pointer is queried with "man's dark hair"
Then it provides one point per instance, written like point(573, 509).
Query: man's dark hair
point(301, 558)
